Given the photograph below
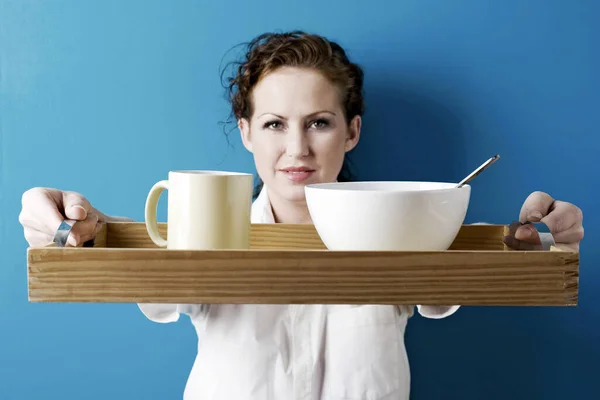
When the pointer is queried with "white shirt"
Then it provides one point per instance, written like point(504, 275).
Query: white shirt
point(296, 352)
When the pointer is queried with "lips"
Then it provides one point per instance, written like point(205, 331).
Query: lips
point(297, 169)
point(297, 174)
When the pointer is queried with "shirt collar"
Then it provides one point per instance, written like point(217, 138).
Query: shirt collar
point(262, 213)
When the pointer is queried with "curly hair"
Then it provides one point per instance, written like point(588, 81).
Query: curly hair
point(270, 51)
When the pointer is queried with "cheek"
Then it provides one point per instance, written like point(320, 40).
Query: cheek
point(265, 152)
point(329, 150)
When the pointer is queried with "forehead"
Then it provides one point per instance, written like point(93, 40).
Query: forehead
point(295, 92)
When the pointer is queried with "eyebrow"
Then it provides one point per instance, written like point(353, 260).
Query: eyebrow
point(309, 115)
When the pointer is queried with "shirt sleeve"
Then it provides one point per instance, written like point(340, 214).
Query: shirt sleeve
point(436, 312)
point(167, 313)
point(163, 313)
point(439, 312)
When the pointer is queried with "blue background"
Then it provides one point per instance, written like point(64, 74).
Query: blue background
point(105, 97)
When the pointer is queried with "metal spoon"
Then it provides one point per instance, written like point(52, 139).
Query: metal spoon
point(479, 169)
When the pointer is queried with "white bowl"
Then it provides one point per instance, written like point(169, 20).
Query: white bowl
point(399, 216)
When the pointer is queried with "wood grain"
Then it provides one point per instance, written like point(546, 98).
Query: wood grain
point(288, 264)
point(292, 276)
point(301, 236)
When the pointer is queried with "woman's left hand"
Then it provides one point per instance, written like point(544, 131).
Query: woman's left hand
point(564, 220)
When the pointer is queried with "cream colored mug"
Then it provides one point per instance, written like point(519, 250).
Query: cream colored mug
point(205, 210)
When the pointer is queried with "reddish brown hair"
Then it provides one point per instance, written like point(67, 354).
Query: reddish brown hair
point(269, 51)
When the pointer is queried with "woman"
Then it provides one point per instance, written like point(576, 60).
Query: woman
point(298, 103)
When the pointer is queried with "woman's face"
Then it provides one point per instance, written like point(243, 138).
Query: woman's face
point(297, 133)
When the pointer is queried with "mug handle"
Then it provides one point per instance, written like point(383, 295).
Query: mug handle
point(151, 206)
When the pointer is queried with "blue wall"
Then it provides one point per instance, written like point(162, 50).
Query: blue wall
point(104, 97)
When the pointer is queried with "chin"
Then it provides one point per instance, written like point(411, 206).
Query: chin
point(290, 191)
point(294, 193)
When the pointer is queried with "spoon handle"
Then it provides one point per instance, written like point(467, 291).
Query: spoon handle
point(478, 170)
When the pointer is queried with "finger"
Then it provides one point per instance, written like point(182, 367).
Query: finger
point(536, 206)
point(36, 238)
point(90, 236)
point(517, 244)
point(572, 235)
point(528, 233)
point(75, 206)
point(44, 206)
point(83, 231)
point(522, 237)
point(563, 217)
point(31, 222)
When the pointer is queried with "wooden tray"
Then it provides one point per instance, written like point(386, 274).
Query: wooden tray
point(288, 264)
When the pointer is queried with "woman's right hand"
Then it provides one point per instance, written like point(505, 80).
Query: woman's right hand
point(43, 210)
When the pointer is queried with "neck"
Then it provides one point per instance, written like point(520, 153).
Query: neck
point(289, 212)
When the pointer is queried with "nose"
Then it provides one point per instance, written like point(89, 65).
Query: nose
point(297, 143)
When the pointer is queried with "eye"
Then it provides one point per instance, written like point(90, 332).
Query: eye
point(320, 123)
point(276, 125)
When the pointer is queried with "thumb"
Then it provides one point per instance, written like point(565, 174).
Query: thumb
point(76, 207)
